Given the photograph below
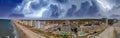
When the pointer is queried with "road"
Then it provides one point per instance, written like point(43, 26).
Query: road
point(117, 29)
point(112, 31)
point(108, 33)
point(28, 33)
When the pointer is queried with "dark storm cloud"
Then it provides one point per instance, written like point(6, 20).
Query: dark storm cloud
point(54, 10)
point(71, 11)
point(62, 1)
point(84, 6)
point(93, 9)
point(60, 8)
point(39, 5)
point(68, 8)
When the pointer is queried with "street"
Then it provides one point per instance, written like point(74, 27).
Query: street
point(28, 33)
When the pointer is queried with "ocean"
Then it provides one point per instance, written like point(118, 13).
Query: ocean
point(6, 29)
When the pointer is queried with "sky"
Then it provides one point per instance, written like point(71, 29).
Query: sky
point(59, 9)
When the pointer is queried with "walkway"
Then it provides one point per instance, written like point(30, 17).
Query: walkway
point(108, 33)
point(117, 29)
point(28, 33)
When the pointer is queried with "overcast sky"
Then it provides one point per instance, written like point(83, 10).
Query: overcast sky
point(59, 8)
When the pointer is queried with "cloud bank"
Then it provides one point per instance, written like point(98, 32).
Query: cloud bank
point(69, 8)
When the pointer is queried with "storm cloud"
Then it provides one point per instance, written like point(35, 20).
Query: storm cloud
point(69, 8)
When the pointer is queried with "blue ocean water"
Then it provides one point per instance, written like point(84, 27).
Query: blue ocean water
point(6, 29)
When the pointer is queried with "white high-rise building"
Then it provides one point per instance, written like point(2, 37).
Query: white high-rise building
point(31, 23)
point(35, 24)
